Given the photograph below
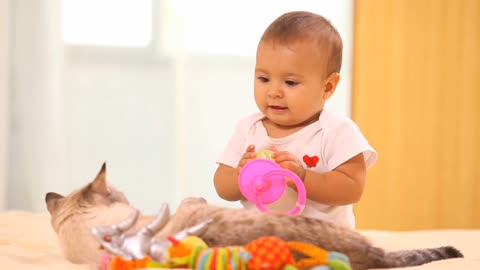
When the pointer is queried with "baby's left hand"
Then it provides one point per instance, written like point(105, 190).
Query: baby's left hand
point(289, 161)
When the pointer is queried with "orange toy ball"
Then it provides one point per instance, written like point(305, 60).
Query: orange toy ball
point(268, 253)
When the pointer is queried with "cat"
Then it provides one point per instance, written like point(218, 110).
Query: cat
point(99, 204)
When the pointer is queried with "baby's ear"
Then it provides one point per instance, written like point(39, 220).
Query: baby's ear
point(331, 85)
point(99, 184)
point(52, 199)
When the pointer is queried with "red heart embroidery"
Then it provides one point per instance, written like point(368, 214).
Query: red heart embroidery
point(310, 161)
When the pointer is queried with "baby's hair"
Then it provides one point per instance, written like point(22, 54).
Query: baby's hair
point(298, 25)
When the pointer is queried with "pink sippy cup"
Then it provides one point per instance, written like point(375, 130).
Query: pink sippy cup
point(262, 181)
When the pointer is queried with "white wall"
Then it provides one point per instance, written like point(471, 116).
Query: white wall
point(38, 158)
point(158, 119)
point(217, 91)
point(124, 115)
point(4, 98)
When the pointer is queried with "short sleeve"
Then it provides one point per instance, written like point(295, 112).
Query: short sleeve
point(343, 142)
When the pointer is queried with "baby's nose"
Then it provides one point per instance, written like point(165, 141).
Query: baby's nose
point(275, 90)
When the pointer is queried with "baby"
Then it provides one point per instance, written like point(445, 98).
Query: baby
point(297, 70)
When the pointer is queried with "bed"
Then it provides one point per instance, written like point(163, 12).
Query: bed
point(28, 242)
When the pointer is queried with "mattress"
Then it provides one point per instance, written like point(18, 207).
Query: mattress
point(28, 242)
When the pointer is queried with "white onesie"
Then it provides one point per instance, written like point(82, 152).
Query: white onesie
point(321, 146)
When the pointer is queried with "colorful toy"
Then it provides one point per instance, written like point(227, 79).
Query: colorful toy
point(265, 253)
point(272, 253)
point(318, 258)
point(269, 253)
point(184, 250)
point(193, 253)
point(262, 181)
point(179, 254)
point(218, 258)
point(120, 264)
point(140, 244)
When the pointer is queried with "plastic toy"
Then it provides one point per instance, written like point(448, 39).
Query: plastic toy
point(318, 258)
point(120, 264)
point(202, 257)
point(139, 250)
point(264, 253)
point(181, 252)
point(262, 181)
point(140, 244)
point(269, 253)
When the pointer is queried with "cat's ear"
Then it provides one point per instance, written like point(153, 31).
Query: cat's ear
point(99, 184)
point(52, 200)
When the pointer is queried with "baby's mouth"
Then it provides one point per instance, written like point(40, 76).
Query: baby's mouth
point(277, 108)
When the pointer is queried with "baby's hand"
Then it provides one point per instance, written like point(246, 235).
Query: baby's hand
point(248, 156)
point(290, 162)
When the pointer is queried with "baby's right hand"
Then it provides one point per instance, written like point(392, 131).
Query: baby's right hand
point(248, 156)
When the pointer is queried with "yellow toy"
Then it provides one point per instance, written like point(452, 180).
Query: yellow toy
point(180, 251)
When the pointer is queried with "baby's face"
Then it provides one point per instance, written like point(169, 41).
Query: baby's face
point(290, 82)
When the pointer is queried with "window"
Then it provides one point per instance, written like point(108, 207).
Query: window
point(204, 30)
point(125, 23)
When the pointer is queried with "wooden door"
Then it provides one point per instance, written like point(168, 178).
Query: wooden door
point(416, 97)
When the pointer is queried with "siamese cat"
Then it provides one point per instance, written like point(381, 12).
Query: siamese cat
point(98, 204)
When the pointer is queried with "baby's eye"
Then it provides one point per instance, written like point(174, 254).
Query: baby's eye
point(291, 83)
point(263, 79)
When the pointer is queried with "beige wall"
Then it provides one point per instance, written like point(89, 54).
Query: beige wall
point(4, 86)
point(416, 96)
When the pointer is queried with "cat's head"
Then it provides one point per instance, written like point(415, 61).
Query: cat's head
point(74, 215)
point(96, 194)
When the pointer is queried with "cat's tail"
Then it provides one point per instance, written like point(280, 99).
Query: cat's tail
point(414, 257)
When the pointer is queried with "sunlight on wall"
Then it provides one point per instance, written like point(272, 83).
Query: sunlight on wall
point(126, 23)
